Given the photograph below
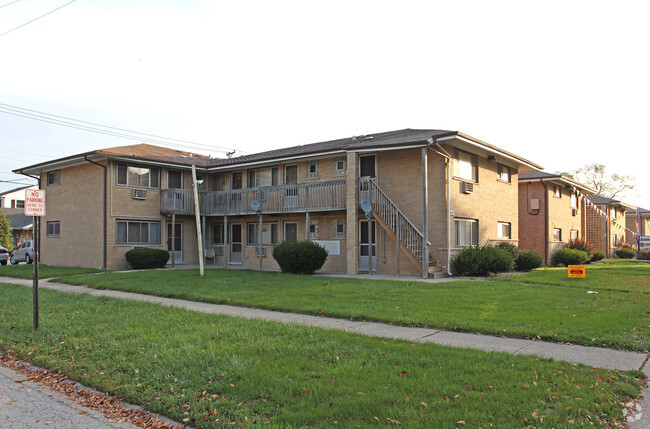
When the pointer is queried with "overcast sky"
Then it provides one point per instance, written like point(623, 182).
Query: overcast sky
point(561, 83)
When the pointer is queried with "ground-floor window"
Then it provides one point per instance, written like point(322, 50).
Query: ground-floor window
point(137, 232)
point(54, 229)
point(503, 230)
point(339, 228)
point(465, 232)
point(217, 233)
point(269, 234)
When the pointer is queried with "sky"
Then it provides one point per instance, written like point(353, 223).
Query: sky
point(560, 83)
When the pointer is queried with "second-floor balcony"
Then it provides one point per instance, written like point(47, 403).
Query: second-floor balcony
point(300, 198)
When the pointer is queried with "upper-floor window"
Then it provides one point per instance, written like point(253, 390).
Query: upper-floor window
point(340, 168)
point(218, 182)
point(503, 173)
point(557, 234)
point(465, 232)
point(175, 179)
point(54, 229)
point(54, 178)
point(574, 234)
point(557, 191)
point(132, 175)
point(137, 232)
point(201, 183)
point(312, 170)
point(262, 177)
point(466, 165)
point(574, 201)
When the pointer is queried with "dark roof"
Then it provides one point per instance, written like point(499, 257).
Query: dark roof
point(638, 209)
point(597, 199)
point(537, 175)
point(19, 221)
point(15, 190)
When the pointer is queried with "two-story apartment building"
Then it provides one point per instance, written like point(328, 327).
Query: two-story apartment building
point(551, 212)
point(637, 223)
point(430, 192)
point(606, 223)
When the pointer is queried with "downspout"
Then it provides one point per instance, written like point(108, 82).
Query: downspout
point(447, 157)
point(545, 221)
point(105, 208)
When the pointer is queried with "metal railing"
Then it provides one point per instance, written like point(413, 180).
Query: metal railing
point(384, 207)
point(303, 197)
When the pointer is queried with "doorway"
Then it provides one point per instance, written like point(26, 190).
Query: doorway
point(367, 246)
point(178, 241)
point(235, 243)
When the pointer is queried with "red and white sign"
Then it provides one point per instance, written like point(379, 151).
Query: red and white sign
point(35, 202)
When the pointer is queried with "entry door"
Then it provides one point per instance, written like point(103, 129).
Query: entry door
point(235, 197)
point(291, 192)
point(235, 243)
point(291, 232)
point(178, 242)
point(366, 246)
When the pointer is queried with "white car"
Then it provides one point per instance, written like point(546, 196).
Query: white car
point(4, 256)
point(23, 253)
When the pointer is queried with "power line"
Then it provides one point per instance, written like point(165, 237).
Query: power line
point(36, 19)
point(15, 1)
point(104, 129)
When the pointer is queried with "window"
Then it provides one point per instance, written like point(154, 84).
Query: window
point(340, 166)
point(54, 229)
point(217, 233)
point(312, 170)
point(557, 234)
point(367, 166)
point(269, 234)
point(200, 181)
point(131, 175)
point(218, 182)
point(574, 234)
point(339, 229)
point(137, 232)
point(466, 165)
point(17, 204)
point(262, 177)
point(54, 178)
point(465, 232)
point(503, 230)
point(313, 230)
point(503, 173)
point(175, 179)
point(557, 191)
point(574, 201)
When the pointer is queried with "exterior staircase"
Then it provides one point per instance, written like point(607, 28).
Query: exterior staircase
point(397, 225)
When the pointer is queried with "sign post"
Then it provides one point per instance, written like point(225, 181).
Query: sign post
point(35, 207)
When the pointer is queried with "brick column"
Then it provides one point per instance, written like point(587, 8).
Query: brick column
point(352, 213)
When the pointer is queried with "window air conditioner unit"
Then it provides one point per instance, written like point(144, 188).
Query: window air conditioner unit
point(218, 250)
point(574, 212)
point(139, 194)
point(467, 187)
point(257, 251)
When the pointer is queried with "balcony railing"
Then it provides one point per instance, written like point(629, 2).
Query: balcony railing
point(300, 198)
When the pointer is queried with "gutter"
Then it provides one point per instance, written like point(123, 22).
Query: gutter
point(105, 208)
point(545, 221)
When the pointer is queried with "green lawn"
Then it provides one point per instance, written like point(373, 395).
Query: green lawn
point(541, 304)
point(25, 271)
point(211, 370)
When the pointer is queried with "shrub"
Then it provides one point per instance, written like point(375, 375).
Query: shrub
point(598, 255)
point(625, 253)
point(584, 245)
point(527, 260)
point(568, 257)
point(481, 260)
point(146, 258)
point(302, 257)
point(509, 247)
point(643, 256)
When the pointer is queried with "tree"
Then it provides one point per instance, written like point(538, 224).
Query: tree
point(606, 185)
point(6, 239)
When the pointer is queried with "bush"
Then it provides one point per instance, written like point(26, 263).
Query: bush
point(302, 257)
point(481, 260)
point(643, 256)
point(568, 257)
point(598, 255)
point(509, 247)
point(527, 260)
point(583, 245)
point(625, 253)
point(146, 258)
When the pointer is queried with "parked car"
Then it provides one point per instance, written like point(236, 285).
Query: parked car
point(23, 253)
point(4, 256)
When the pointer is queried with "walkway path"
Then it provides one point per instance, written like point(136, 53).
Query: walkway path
point(592, 356)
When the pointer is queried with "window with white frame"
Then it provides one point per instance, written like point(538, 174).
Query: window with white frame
point(574, 201)
point(465, 232)
point(201, 183)
point(503, 230)
point(557, 191)
point(503, 173)
point(466, 165)
point(269, 234)
point(312, 170)
point(574, 234)
point(54, 178)
point(142, 177)
point(262, 177)
point(340, 168)
point(557, 234)
point(339, 228)
point(53, 228)
point(174, 179)
point(313, 230)
point(137, 232)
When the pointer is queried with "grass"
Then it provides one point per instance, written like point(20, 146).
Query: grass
point(25, 271)
point(542, 304)
point(208, 370)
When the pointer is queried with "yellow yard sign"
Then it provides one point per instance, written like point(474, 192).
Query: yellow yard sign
point(577, 271)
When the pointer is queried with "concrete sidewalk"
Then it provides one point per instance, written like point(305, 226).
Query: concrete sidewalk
point(592, 356)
